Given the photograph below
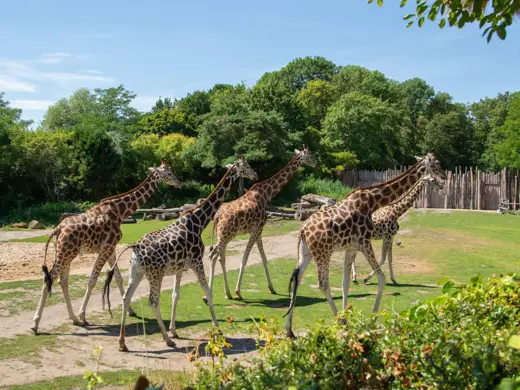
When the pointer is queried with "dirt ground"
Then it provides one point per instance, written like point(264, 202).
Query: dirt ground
point(22, 261)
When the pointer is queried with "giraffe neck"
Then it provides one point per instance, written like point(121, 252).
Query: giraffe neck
point(127, 203)
point(402, 205)
point(271, 187)
point(204, 213)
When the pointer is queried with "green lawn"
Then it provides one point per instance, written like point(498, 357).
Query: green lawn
point(132, 232)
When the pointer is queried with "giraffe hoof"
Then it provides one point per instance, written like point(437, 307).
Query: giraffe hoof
point(205, 300)
point(229, 297)
point(123, 348)
point(365, 281)
point(34, 329)
point(171, 343)
point(355, 281)
point(271, 291)
point(290, 335)
point(394, 282)
point(239, 297)
point(173, 334)
point(131, 312)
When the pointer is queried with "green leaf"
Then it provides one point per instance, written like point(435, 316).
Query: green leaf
point(461, 23)
point(380, 3)
point(421, 21)
point(514, 342)
point(408, 16)
point(410, 23)
point(490, 35)
point(447, 287)
point(501, 31)
point(442, 23)
point(403, 3)
point(443, 281)
point(432, 15)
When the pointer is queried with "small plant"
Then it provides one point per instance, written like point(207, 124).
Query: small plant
point(93, 378)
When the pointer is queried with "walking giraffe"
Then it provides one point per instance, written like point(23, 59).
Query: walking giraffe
point(248, 214)
point(172, 251)
point(97, 230)
point(348, 225)
point(386, 225)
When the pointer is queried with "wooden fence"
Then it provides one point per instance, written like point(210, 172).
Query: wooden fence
point(466, 188)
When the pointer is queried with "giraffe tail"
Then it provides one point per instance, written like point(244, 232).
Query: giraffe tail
point(110, 276)
point(293, 283)
point(47, 276)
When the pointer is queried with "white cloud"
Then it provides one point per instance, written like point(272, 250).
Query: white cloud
point(14, 85)
point(31, 104)
point(18, 69)
point(57, 54)
point(91, 71)
point(62, 77)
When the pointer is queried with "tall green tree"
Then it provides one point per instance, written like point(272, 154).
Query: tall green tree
point(508, 149)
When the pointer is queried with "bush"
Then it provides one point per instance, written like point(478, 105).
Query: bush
point(465, 338)
point(47, 213)
point(326, 187)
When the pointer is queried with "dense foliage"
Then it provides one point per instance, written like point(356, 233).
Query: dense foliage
point(496, 16)
point(466, 338)
point(93, 143)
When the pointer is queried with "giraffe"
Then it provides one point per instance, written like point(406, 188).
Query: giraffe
point(97, 230)
point(247, 214)
point(172, 251)
point(347, 225)
point(386, 225)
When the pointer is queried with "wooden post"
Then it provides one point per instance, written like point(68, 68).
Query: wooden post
point(471, 189)
point(479, 197)
point(240, 186)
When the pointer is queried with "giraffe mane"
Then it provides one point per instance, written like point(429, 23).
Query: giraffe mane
point(190, 211)
point(127, 192)
point(277, 173)
point(418, 183)
point(397, 178)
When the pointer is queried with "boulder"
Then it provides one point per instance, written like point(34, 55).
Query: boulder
point(36, 225)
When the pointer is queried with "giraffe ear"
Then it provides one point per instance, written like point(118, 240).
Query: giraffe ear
point(163, 162)
point(229, 166)
point(296, 151)
point(418, 158)
point(151, 170)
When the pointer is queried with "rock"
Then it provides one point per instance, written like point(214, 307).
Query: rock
point(20, 225)
point(36, 225)
point(167, 216)
point(398, 243)
point(149, 217)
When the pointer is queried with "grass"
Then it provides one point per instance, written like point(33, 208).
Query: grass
point(26, 347)
point(24, 295)
point(110, 378)
point(133, 232)
point(456, 245)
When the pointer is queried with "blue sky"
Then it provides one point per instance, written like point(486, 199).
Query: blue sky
point(169, 48)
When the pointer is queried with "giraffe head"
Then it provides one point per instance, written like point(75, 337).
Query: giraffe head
point(307, 157)
point(243, 169)
point(432, 165)
point(432, 181)
point(165, 174)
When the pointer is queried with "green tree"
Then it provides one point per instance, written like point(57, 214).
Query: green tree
point(167, 121)
point(496, 16)
point(315, 99)
point(508, 149)
point(366, 126)
point(451, 137)
point(300, 71)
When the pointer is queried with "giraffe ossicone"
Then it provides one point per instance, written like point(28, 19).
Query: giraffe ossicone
point(172, 251)
point(97, 230)
point(248, 215)
point(348, 226)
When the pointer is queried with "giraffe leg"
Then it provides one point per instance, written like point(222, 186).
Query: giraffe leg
point(104, 256)
point(43, 298)
point(354, 274)
point(249, 246)
point(133, 281)
point(198, 268)
point(350, 256)
point(384, 251)
point(305, 258)
point(64, 284)
point(322, 265)
point(390, 260)
point(260, 246)
point(222, 260)
point(119, 281)
point(175, 299)
point(368, 251)
point(218, 252)
point(155, 281)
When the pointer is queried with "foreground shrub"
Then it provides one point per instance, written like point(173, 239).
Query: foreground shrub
point(465, 338)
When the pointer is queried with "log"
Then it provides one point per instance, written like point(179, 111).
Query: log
point(303, 214)
point(167, 216)
point(157, 210)
point(301, 205)
point(318, 199)
point(130, 220)
point(188, 206)
point(275, 214)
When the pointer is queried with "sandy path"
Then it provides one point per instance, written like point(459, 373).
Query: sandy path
point(73, 356)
